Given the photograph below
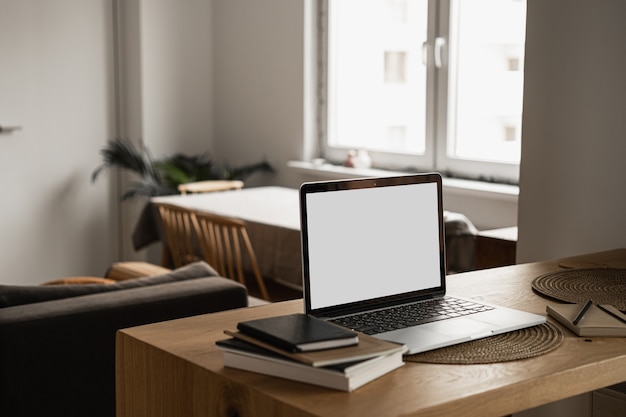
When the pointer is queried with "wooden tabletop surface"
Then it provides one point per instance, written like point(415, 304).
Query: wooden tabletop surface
point(173, 368)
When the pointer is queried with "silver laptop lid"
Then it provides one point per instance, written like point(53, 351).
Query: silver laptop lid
point(370, 243)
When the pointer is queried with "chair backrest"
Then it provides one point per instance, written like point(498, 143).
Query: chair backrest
point(210, 186)
point(177, 224)
point(224, 242)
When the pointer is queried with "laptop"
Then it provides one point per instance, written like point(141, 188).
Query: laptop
point(374, 261)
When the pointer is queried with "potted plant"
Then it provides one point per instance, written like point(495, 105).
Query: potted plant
point(162, 176)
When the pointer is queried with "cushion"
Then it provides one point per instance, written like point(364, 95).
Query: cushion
point(13, 295)
point(120, 271)
point(80, 280)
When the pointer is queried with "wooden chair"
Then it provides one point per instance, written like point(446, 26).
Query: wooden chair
point(209, 186)
point(178, 228)
point(221, 240)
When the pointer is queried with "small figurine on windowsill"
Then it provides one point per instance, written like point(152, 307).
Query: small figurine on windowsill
point(349, 162)
point(358, 159)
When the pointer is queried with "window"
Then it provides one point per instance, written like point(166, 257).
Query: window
point(424, 84)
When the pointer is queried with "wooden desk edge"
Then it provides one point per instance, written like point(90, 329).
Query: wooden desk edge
point(253, 394)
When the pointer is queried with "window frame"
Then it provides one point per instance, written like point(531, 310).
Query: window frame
point(438, 109)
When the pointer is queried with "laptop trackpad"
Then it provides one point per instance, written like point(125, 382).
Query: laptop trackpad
point(439, 334)
point(460, 327)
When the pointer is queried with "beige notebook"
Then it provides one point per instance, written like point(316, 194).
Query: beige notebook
point(595, 321)
point(368, 347)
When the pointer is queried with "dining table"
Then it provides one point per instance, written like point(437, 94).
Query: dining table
point(272, 219)
point(272, 216)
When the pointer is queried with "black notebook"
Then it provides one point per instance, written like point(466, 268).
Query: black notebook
point(299, 333)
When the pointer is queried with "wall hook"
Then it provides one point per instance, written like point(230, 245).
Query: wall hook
point(6, 130)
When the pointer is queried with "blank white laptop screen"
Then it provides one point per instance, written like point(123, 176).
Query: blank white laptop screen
point(372, 242)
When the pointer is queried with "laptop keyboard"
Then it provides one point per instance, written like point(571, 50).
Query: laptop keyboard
point(374, 322)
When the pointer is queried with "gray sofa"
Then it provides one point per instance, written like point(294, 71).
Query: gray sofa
point(57, 343)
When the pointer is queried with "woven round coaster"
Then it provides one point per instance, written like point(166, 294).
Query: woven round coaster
point(600, 285)
point(518, 344)
point(581, 264)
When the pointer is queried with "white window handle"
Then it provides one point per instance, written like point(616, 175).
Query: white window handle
point(437, 53)
point(439, 44)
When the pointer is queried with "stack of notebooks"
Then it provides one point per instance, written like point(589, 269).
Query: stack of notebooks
point(306, 349)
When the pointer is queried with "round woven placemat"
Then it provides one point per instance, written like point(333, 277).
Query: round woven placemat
point(518, 344)
point(600, 285)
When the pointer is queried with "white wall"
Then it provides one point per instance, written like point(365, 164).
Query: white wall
point(572, 194)
point(259, 55)
point(56, 82)
point(176, 76)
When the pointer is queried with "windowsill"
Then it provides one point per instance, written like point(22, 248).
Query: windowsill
point(452, 185)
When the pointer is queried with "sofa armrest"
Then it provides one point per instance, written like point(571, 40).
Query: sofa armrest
point(60, 355)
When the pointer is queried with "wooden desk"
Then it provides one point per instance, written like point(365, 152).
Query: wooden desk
point(174, 369)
